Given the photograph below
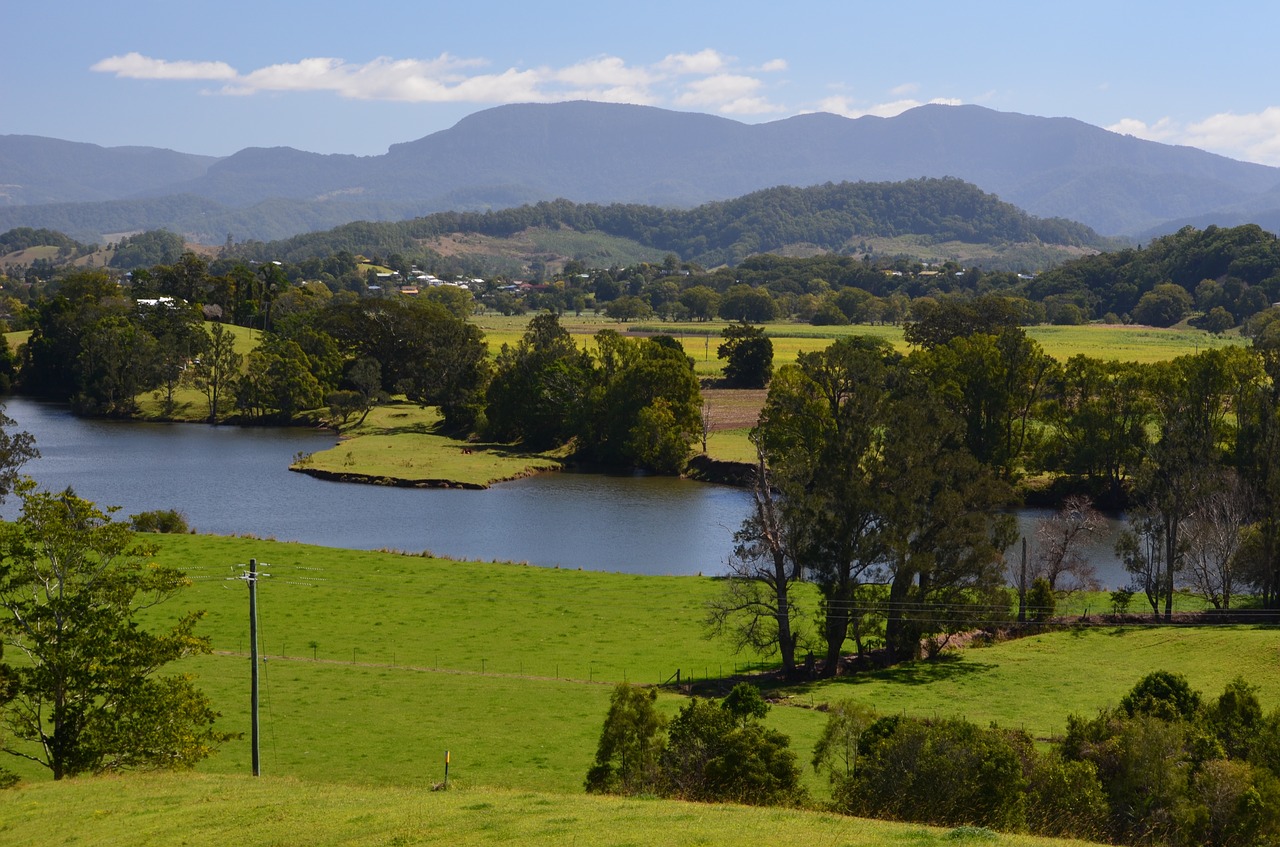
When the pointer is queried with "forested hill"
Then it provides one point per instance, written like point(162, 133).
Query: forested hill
point(831, 217)
point(1235, 269)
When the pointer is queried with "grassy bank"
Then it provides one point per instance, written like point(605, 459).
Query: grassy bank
point(404, 442)
point(213, 811)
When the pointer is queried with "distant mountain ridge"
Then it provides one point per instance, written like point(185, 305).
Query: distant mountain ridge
point(604, 153)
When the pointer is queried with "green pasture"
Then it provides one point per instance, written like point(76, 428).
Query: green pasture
point(1033, 683)
point(1127, 343)
point(377, 662)
point(700, 339)
point(202, 810)
point(403, 441)
point(731, 445)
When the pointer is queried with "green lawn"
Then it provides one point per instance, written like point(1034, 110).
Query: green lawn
point(213, 811)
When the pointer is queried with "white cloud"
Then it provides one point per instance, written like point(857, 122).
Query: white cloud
point(607, 71)
point(137, 66)
point(1161, 130)
point(905, 89)
point(730, 94)
point(703, 62)
point(849, 108)
point(1254, 137)
point(706, 79)
point(1251, 137)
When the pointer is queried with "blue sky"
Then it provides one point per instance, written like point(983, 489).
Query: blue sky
point(356, 77)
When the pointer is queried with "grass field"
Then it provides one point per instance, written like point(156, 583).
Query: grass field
point(213, 811)
point(378, 662)
point(403, 441)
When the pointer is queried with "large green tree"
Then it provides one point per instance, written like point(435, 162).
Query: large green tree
point(538, 386)
point(748, 355)
point(85, 695)
point(822, 428)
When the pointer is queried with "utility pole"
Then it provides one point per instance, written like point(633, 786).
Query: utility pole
point(1022, 585)
point(251, 577)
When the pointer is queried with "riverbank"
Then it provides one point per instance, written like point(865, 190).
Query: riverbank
point(402, 445)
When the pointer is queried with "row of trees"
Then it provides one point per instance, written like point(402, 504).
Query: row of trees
point(1165, 766)
point(100, 349)
point(881, 478)
point(628, 401)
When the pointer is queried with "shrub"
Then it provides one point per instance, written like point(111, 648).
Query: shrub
point(161, 520)
point(946, 773)
point(1041, 603)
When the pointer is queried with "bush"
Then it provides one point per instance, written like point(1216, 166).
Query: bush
point(946, 773)
point(630, 742)
point(163, 520)
point(1041, 603)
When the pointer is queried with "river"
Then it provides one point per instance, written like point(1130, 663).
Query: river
point(235, 481)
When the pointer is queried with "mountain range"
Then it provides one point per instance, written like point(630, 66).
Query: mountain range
point(591, 152)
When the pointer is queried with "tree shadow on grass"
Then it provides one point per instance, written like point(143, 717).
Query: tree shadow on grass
point(949, 667)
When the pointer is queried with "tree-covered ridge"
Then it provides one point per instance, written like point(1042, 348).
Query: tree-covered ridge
point(825, 216)
point(1235, 268)
point(25, 237)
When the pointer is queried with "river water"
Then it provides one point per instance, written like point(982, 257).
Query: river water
point(235, 480)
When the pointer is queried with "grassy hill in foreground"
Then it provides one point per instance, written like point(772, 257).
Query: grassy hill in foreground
point(379, 662)
point(212, 811)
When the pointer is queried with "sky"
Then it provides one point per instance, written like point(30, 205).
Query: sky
point(356, 77)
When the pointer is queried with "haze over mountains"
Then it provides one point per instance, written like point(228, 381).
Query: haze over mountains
point(605, 153)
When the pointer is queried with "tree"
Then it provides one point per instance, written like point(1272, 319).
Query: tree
point(993, 383)
point(839, 746)
point(16, 449)
point(756, 608)
point(86, 696)
point(630, 743)
point(822, 429)
point(1097, 413)
point(423, 350)
point(744, 303)
point(717, 754)
point(1163, 305)
point(749, 356)
point(657, 442)
point(277, 381)
point(939, 322)
point(943, 772)
point(701, 301)
point(1059, 538)
point(217, 370)
point(629, 376)
point(1193, 396)
point(1217, 534)
point(538, 386)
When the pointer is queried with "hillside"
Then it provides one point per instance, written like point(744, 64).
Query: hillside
point(825, 218)
point(219, 810)
point(609, 153)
